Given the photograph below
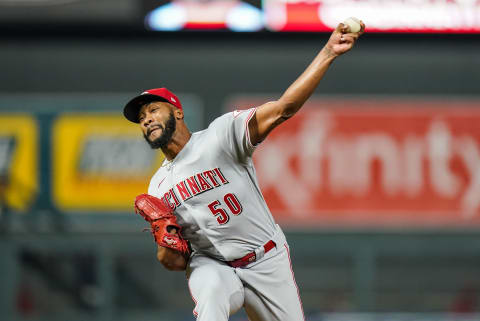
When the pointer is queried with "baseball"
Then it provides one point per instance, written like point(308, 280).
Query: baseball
point(353, 24)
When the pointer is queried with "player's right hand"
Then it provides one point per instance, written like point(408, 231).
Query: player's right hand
point(341, 40)
point(171, 259)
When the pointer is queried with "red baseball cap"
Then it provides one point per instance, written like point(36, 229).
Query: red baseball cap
point(132, 108)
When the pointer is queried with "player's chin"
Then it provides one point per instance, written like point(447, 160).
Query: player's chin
point(158, 142)
point(154, 134)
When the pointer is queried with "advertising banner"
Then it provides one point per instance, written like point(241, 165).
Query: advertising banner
point(18, 161)
point(100, 162)
point(367, 163)
point(175, 15)
point(424, 16)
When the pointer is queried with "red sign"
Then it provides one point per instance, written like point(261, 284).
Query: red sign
point(367, 163)
point(425, 16)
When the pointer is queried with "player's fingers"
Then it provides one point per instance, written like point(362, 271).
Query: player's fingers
point(341, 28)
point(362, 29)
point(355, 35)
point(348, 38)
point(344, 37)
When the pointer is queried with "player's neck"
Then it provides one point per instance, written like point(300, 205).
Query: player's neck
point(179, 140)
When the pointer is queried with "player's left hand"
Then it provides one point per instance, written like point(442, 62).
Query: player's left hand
point(341, 40)
point(163, 222)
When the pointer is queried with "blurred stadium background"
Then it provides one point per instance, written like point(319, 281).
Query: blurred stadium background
point(376, 181)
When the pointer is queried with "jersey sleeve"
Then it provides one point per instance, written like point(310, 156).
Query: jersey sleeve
point(233, 135)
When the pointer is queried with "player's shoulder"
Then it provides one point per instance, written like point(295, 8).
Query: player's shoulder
point(221, 118)
point(229, 117)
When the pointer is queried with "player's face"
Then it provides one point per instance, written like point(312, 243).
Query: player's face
point(158, 123)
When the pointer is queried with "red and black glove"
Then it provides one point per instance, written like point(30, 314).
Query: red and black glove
point(162, 222)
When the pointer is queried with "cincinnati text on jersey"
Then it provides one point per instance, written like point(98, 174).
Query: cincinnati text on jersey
point(193, 186)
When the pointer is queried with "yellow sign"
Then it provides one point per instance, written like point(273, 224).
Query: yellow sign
point(18, 160)
point(100, 162)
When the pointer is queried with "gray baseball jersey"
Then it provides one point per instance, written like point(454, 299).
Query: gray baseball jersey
point(212, 186)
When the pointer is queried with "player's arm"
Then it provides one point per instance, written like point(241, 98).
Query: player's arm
point(272, 114)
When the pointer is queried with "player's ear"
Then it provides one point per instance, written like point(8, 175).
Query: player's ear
point(178, 113)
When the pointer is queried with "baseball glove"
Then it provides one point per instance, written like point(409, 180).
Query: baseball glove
point(162, 222)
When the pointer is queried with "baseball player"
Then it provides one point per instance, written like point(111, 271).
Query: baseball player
point(237, 255)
